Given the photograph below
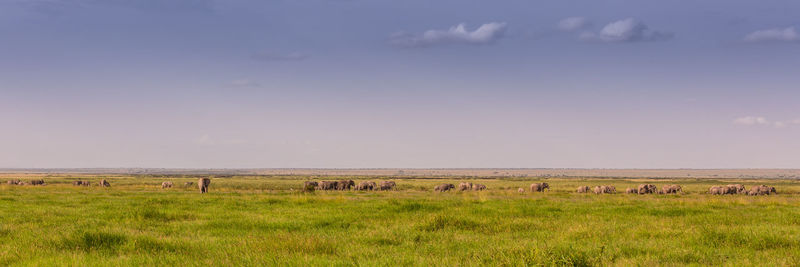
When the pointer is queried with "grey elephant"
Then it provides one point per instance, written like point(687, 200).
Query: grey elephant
point(366, 185)
point(310, 186)
point(328, 185)
point(464, 186)
point(647, 189)
point(203, 184)
point(166, 184)
point(478, 187)
point(444, 187)
point(631, 191)
point(717, 190)
point(388, 185)
point(583, 189)
point(539, 187)
point(345, 185)
point(104, 183)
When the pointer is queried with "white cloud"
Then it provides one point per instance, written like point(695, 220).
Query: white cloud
point(773, 35)
point(485, 34)
point(750, 120)
point(758, 120)
point(265, 56)
point(573, 24)
point(626, 30)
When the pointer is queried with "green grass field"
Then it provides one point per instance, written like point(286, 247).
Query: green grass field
point(257, 221)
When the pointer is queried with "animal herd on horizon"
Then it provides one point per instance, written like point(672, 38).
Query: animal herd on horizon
point(346, 185)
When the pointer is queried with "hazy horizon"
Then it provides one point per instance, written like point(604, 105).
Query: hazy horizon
point(399, 84)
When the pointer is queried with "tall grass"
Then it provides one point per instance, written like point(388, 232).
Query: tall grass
point(267, 221)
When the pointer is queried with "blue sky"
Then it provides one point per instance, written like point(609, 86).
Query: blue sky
point(356, 83)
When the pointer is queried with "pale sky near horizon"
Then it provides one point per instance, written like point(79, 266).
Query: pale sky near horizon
point(417, 83)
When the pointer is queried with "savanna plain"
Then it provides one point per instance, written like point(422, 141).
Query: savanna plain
point(268, 220)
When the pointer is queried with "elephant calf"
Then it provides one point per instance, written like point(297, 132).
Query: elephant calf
point(345, 185)
point(631, 191)
point(583, 189)
point(478, 187)
point(717, 190)
point(166, 184)
point(521, 190)
point(670, 189)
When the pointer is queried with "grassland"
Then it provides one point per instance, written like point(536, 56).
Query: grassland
point(256, 221)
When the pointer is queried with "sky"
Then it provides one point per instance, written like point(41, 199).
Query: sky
point(399, 84)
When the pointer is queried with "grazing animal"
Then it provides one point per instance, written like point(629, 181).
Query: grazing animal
point(670, 189)
point(761, 190)
point(521, 190)
point(37, 182)
point(631, 191)
point(345, 185)
point(583, 189)
point(444, 187)
point(647, 189)
point(388, 185)
point(104, 183)
point(366, 185)
point(605, 189)
point(735, 189)
point(310, 186)
point(478, 187)
point(77, 183)
point(539, 187)
point(166, 184)
point(188, 184)
point(328, 185)
point(203, 184)
point(717, 190)
point(464, 186)
point(14, 182)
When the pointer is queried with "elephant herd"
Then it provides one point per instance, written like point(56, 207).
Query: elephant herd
point(31, 182)
point(345, 185)
point(733, 189)
point(642, 189)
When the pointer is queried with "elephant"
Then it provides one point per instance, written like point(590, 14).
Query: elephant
point(521, 190)
point(188, 184)
point(203, 184)
point(14, 182)
point(444, 187)
point(166, 184)
point(310, 186)
point(388, 185)
point(104, 183)
point(539, 187)
point(605, 189)
point(717, 190)
point(345, 185)
point(478, 187)
point(464, 186)
point(328, 185)
point(583, 189)
point(37, 182)
point(631, 191)
point(735, 189)
point(670, 189)
point(366, 185)
point(761, 190)
point(77, 183)
point(647, 189)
